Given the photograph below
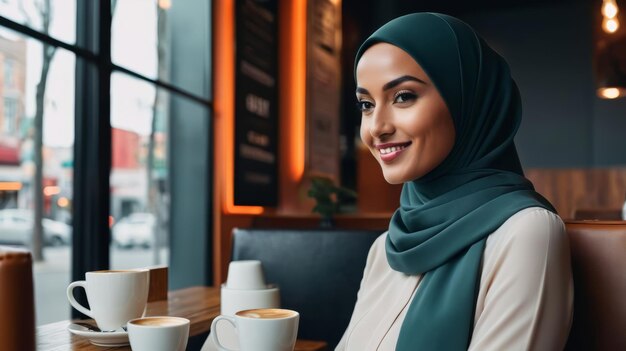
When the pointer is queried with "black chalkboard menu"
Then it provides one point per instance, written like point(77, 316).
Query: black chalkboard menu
point(256, 114)
point(323, 87)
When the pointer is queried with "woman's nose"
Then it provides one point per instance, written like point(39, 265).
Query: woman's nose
point(380, 124)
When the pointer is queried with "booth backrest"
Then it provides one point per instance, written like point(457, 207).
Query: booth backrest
point(603, 214)
point(318, 273)
point(599, 267)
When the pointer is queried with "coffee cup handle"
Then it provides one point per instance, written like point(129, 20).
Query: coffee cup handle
point(216, 341)
point(73, 302)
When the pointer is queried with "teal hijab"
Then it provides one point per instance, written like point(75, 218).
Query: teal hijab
point(445, 217)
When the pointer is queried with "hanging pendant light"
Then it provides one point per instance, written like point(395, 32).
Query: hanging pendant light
point(610, 25)
point(610, 54)
point(609, 9)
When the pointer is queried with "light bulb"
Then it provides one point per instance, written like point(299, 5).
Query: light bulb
point(609, 93)
point(609, 8)
point(610, 25)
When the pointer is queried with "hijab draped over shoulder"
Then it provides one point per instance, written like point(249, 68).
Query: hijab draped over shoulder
point(445, 217)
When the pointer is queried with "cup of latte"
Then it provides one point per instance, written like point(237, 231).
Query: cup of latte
point(158, 333)
point(262, 329)
point(115, 297)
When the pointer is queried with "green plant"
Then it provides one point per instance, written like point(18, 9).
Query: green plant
point(328, 196)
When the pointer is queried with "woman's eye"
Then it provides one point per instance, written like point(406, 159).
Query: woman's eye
point(404, 97)
point(364, 105)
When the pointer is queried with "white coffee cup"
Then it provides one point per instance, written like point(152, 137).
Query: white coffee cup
point(162, 333)
point(115, 297)
point(263, 329)
point(245, 275)
point(233, 300)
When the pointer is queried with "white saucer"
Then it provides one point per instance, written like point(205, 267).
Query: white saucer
point(110, 339)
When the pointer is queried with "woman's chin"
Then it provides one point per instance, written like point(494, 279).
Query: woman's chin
point(393, 178)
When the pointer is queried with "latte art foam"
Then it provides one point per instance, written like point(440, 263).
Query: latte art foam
point(158, 322)
point(266, 313)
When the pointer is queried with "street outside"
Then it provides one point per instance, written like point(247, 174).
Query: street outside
point(53, 275)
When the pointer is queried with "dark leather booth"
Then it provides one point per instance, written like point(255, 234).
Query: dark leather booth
point(599, 266)
point(603, 214)
point(318, 273)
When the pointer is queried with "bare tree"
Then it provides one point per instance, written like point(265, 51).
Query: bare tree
point(45, 12)
point(159, 107)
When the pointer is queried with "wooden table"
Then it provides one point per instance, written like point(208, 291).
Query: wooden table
point(198, 304)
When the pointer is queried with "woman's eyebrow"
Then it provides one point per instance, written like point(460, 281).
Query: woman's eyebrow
point(360, 90)
point(400, 80)
point(392, 84)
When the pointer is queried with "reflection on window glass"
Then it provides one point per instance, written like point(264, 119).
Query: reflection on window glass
point(139, 192)
point(60, 16)
point(27, 69)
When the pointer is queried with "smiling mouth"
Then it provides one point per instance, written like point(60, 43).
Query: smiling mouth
point(389, 148)
point(390, 151)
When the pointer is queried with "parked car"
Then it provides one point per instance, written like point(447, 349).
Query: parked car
point(16, 227)
point(136, 229)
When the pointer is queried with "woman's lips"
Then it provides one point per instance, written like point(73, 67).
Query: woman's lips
point(390, 151)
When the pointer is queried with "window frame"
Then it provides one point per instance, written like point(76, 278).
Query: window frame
point(92, 144)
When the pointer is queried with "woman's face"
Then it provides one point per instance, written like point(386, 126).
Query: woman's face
point(404, 121)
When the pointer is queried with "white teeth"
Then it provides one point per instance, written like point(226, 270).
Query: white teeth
point(391, 149)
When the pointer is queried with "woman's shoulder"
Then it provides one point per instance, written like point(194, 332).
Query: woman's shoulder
point(536, 213)
point(378, 246)
point(377, 257)
point(380, 241)
point(535, 221)
point(530, 229)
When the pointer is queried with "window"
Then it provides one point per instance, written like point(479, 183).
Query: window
point(60, 16)
point(124, 102)
point(9, 73)
point(56, 110)
point(139, 197)
point(10, 115)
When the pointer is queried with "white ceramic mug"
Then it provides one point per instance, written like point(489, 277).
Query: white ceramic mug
point(233, 300)
point(158, 333)
point(115, 297)
point(245, 275)
point(263, 329)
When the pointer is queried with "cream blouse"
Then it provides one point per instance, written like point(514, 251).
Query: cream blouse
point(524, 300)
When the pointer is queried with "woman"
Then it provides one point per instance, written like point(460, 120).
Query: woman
point(474, 258)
